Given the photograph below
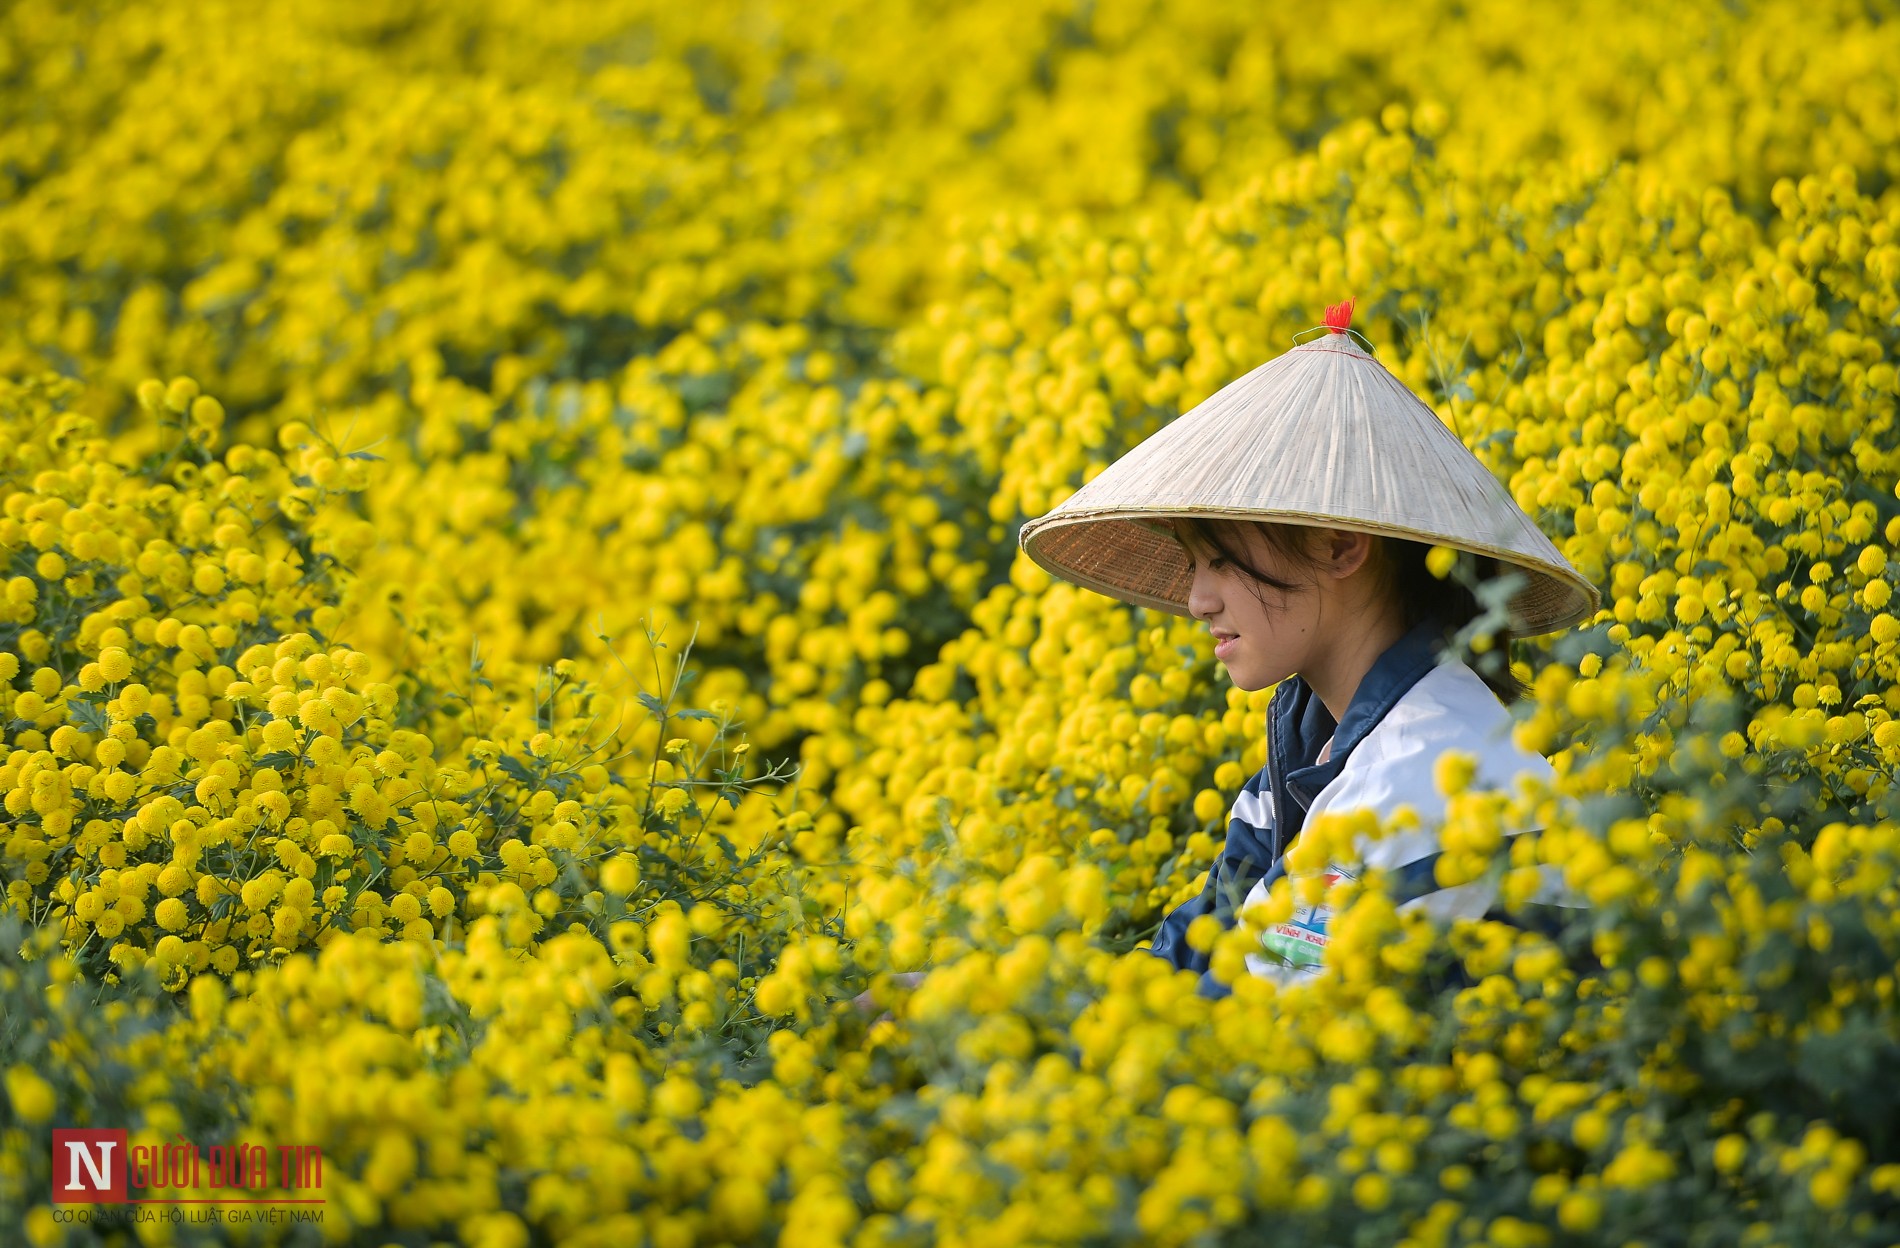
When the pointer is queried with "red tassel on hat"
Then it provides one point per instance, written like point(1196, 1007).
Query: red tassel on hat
point(1339, 316)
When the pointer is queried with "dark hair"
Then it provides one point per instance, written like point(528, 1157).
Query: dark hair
point(1420, 595)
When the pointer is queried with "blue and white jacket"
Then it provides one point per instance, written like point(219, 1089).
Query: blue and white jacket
point(1407, 711)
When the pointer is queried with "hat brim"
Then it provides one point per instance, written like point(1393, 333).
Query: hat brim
point(1131, 555)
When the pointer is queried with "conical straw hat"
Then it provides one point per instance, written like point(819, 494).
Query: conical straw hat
point(1323, 435)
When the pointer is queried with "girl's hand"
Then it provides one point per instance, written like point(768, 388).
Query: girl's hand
point(903, 979)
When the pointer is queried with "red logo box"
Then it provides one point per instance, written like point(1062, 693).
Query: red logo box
point(88, 1166)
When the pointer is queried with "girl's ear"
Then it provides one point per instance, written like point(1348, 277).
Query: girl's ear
point(1344, 551)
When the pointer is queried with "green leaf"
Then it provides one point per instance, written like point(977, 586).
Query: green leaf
point(87, 715)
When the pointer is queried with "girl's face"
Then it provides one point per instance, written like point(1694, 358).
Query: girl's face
point(1262, 635)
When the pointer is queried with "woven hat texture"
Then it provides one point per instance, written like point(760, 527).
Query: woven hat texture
point(1323, 435)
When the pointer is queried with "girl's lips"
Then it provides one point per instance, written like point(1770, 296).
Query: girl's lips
point(1225, 647)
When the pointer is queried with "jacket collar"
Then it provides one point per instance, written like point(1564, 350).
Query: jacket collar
point(1301, 724)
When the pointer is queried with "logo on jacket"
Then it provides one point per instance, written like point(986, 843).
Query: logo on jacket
point(1301, 941)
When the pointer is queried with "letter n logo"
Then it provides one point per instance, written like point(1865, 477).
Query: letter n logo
point(88, 1167)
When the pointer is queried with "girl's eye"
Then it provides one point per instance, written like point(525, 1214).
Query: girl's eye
point(1216, 564)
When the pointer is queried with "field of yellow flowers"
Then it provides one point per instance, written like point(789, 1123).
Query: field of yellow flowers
point(511, 620)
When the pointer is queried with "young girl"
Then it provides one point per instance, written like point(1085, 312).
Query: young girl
point(1295, 512)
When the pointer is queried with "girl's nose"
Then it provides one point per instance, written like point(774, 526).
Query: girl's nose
point(1202, 601)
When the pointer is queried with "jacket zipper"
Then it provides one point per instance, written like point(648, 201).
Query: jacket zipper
point(1275, 793)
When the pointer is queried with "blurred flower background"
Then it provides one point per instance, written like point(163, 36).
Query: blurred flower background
point(511, 617)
